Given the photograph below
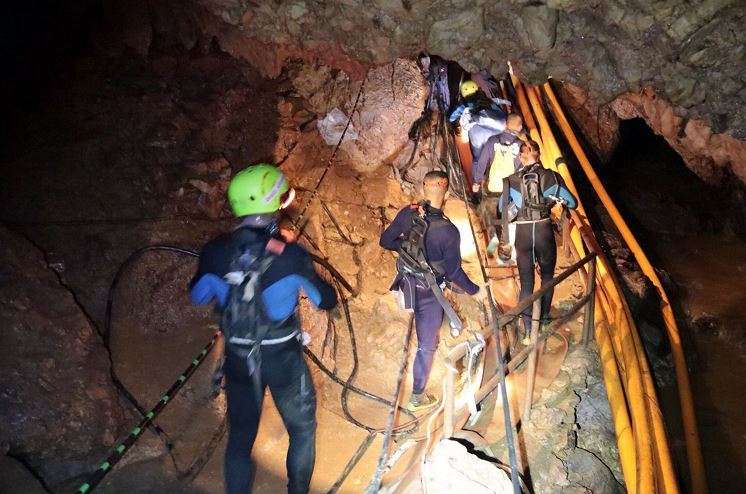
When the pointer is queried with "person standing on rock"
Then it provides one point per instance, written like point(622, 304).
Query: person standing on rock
point(527, 198)
point(429, 256)
point(255, 279)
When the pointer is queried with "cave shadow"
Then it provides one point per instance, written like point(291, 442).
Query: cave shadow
point(641, 161)
point(98, 149)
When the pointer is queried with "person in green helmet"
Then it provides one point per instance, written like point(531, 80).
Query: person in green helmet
point(254, 278)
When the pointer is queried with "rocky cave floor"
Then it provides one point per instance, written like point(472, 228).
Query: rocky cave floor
point(127, 152)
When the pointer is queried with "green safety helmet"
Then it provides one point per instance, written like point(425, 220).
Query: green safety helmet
point(259, 189)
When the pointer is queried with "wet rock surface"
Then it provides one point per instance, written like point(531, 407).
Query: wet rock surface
point(60, 409)
point(691, 55)
point(570, 440)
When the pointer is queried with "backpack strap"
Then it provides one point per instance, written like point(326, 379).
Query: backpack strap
point(505, 218)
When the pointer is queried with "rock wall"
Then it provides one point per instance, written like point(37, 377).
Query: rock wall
point(60, 410)
point(688, 55)
point(713, 156)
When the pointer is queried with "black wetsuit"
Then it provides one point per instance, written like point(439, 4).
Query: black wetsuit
point(442, 247)
point(283, 368)
point(534, 238)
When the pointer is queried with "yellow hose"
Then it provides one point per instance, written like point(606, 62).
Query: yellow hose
point(689, 420)
point(664, 463)
point(637, 457)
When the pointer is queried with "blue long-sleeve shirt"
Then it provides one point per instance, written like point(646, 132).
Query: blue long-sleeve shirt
point(442, 245)
point(280, 285)
point(473, 105)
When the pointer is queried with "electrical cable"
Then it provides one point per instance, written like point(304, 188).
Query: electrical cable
point(509, 439)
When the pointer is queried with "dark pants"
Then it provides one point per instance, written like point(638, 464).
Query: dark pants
point(534, 243)
point(428, 316)
point(285, 372)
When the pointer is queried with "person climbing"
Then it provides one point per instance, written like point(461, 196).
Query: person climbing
point(443, 78)
point(499, 157)
point(527, 197)
point(254, 278)
point(429, 257)
point(479, 117)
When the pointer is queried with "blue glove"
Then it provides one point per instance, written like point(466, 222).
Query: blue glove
point(209, 287)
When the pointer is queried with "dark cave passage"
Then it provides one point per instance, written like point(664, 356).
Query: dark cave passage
point(694, 233)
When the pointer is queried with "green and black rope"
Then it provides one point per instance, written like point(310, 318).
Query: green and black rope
point(121, 448)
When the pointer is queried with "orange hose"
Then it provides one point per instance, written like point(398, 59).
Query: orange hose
point(689, 420)
point(664, 464)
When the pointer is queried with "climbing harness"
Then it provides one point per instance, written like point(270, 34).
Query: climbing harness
point(413, 260)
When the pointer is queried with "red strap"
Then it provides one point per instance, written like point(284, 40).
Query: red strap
point(275, 246)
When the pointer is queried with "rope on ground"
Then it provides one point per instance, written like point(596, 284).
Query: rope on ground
point(124, 446)
point(375, 483)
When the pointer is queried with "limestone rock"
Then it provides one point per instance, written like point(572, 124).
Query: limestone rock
point(540, 22)
point(60, 410)
point(453, 469)
point(690, 55)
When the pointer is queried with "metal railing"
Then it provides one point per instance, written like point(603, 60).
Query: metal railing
point(452, 417)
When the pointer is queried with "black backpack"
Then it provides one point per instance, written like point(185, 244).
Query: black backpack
point(412, 254)
point(535, 205)
point(244, 320)
point(413, 257)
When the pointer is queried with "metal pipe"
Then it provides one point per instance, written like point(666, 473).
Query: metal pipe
point(527, 302)
point(449, 388)
point(590, 309)
point(629, 343)
point(614, 368)
point(509, 435)
point(375, 482)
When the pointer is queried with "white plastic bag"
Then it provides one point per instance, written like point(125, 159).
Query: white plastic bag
point(333, 125)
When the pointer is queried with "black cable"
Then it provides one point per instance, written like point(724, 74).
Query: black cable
point(501, 367)
point(105, 335)
point(315, 190)
point(356, 457)
point(375, 483)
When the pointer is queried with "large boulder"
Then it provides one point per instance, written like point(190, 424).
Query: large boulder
point(60, 409)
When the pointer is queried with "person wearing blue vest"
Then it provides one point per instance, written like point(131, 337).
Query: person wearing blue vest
point(255, 278)
point(441, 242)
point(528, 196)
